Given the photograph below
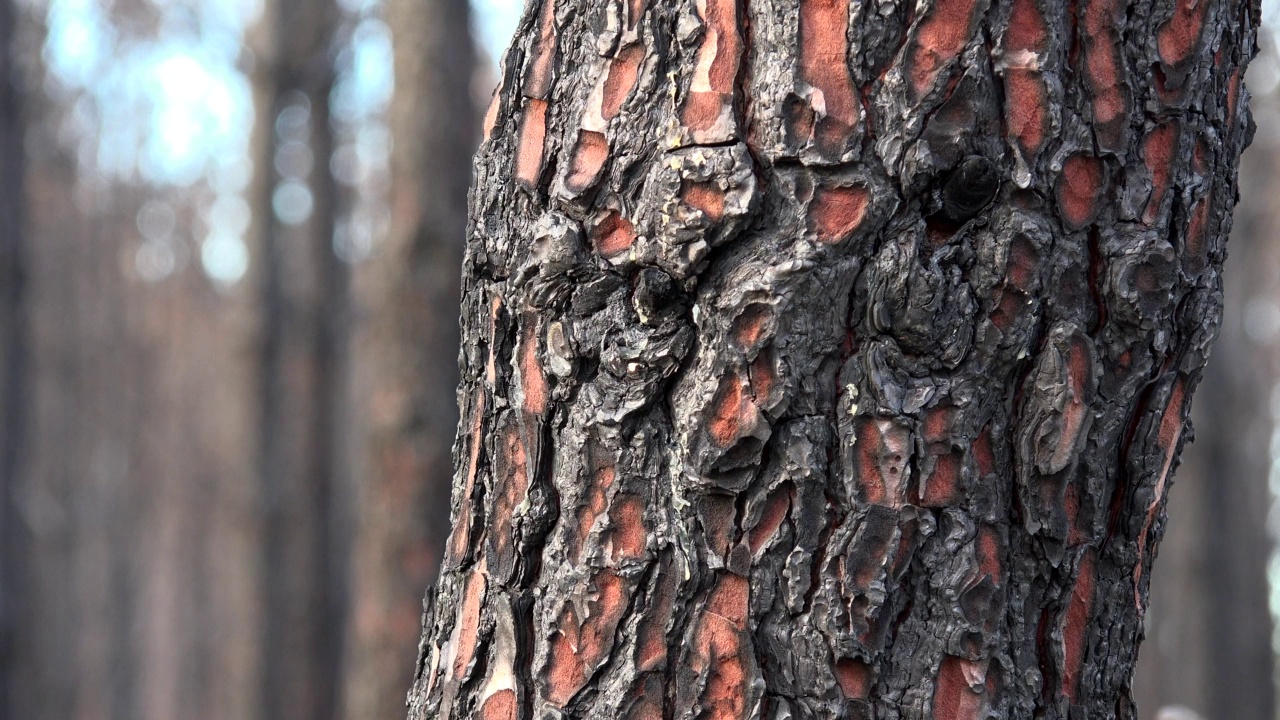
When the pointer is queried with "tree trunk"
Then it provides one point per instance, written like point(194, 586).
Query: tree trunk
point(13, 349)
point(771, 410)
point(408, 355)
point(301, 298)
point(1210, 628)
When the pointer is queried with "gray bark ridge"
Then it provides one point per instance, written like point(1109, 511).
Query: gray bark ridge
point(766, 415)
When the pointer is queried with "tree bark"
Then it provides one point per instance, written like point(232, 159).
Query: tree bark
point(830, 360)
point(1210, 645)
point(407, 355)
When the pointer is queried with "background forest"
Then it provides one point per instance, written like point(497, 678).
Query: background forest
point(230, 247)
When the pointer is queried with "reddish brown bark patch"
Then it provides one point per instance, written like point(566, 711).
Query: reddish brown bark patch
point(1027, 29)
point(579, 648)
point(702, 110)
point(542, 54)
point(776, 508)
point(1075, 625)
point(727, 411)
point(1196, 245)
point(565, 676)
point(491, 115)
point(854, 678)
point(613, 235)
point(1011, 307)
point(942, 487)
point(720, 649)
point(607, 609)
point(469, 620)
point(1167, 436)
point(1171, 420)
point(511, 486)
point(718, 60)
point(1179, 35)
point(937, 424)
point(704, 196)
point(729, 599)
point(882, 455)
point(824, 65)
point(1027, 109)
point(906, 548)
point(940, 38)
point(629, 534)
point(748, 327)
point(1233, 96)
point(621, 78)
point(1104, 72)
point(1026, 95)
point(987, 549)
point(1079, 190)
point(533, 132)
point(1157, 152)
point(953, 696)
point(533, 383)
point(835, 212)
point(500, 706)
point(635, 8)
point(589, 157)
point(1019, 282)
point(870, 446)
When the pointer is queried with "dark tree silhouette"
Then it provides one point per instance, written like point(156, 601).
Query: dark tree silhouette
point(13, 344)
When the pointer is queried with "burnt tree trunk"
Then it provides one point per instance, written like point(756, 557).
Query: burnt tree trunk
point(408, 351)
point(830, 360)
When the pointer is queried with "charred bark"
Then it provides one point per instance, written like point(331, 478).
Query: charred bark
point(766, 413)
point(1209, 627)
point(408, 353)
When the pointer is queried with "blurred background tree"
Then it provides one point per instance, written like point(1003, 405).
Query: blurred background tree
point(230, 241)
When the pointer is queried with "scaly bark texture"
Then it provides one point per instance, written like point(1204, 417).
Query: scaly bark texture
point(770, 410)
point(407, 353)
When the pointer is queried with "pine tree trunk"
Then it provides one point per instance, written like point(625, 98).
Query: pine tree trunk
point(830, 360)
point(408, 352)
point(301, 295)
